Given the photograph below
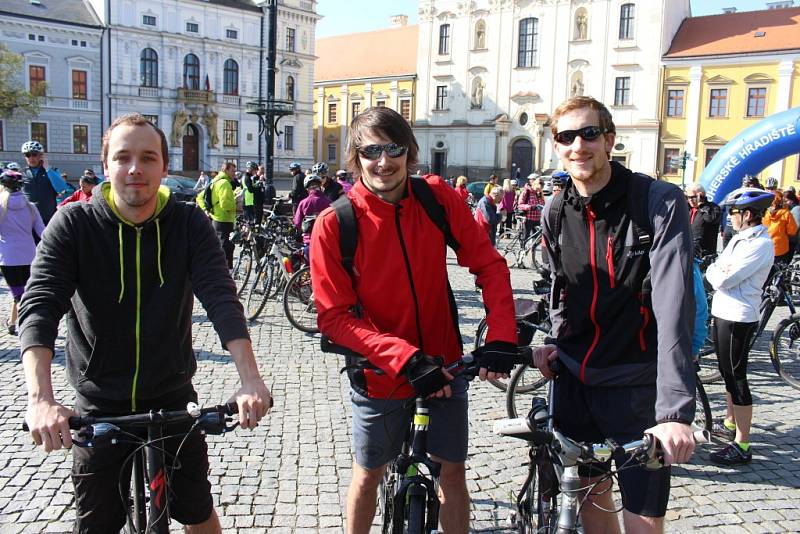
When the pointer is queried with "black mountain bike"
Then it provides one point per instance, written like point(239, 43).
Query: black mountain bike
point(151, 467)
point(408, 496)
point(551, 496)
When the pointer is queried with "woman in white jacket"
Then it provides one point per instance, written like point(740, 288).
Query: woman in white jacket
point(737, 277)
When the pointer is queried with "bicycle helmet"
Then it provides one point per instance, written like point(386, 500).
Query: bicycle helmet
point(751, 181)
point(32, 146)
point(312, 179)
point(320, 168)
point(294, 166)
point(752, 198)
point(251, 165)
point(12, 165)
point(559, 179)
point(772, 183)
point(11, 180)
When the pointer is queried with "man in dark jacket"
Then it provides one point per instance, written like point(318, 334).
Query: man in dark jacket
point(624, 343)
point(705, 218)
point(298, 192)
point(40, 185)
point(129, 319)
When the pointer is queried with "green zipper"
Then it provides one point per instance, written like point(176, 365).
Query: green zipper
point(138, 313)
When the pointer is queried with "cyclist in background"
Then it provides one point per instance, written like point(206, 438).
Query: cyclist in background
point(222, 210)
point(40, 185)
point(559, 179)
point(737, 277)
point(407, 324)
point(530, 203)
point(704, 217)
point(298, 192)
point(129, 325)
point(309, 208)
point(781, 227)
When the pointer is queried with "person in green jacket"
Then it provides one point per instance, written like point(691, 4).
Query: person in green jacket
point(223, 208)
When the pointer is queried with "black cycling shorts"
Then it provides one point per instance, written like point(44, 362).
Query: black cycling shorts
point(593, 414)
point(96, 474)
point(732, 345)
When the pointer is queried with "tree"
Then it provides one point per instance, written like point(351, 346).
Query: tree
point(13, 96)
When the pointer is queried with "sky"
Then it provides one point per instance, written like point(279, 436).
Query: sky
point(353, 16)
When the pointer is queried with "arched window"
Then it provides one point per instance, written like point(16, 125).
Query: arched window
point(230, 80)
point(191, 72)
point(480, 34)
point(148, 68)
point(290, 88)
point(528, 40)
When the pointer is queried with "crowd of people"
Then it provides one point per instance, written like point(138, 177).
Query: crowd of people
point(615, 240)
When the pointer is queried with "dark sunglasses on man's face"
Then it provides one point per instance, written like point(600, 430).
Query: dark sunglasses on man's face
point(691, 197)
point(31, 154)
point(373, 152)
point(587, 133)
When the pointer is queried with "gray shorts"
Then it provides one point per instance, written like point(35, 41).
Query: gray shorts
point(380, 425)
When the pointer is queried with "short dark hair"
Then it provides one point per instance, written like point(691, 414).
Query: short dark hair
point(580, 102)
point(391, 125)
point(136, 119)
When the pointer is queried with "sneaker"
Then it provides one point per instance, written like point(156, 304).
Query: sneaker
point(11, 328)
point(732, 455)
point(719, 430)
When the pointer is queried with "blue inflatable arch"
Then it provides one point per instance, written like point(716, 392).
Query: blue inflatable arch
point(770, 140)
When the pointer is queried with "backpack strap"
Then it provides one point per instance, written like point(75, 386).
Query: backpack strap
point(348, 231)
point(434, 209)
point(554, 217)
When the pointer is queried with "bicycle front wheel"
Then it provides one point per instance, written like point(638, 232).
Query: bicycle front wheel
point(525, 381)
point(298, 302)
point(416, 513)
point(547, 499)
point(709, 369)
point(386, 493)
point(260, 289)
point(702, 412)
point(784, 350)
point(242, 267)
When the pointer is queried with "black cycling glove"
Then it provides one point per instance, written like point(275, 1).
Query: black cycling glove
point(497, 356)
point(425, 374)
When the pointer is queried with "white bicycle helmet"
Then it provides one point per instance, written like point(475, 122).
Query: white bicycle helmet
point(320, 168)
point(13, 166)
point(310, 179)
point(772, 183)
point(32, 146)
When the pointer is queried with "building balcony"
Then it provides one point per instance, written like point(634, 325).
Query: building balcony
point(234, 100)
point(194, 95)
point(77, 103)
point(150, 92)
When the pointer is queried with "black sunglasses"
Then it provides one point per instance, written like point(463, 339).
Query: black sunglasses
point(373, 152)
point(691, 197)
point(29, 154)
point(734, 211)
point(587, 133)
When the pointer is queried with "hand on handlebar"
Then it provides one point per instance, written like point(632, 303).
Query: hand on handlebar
point(676, 439)
point(497, 359)
point(254, 400)
point(49, 424)
point(427, 376)
point(542, 358)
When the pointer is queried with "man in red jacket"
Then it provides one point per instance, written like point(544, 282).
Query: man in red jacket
point(400, 284)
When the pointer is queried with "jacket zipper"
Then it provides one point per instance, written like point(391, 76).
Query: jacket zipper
point(610, 260)
point(590, 217)
point(410, 277)
point(645, 321)
point(138, 314)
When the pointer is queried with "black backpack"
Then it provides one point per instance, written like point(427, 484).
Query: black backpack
point(208, 197)
point(348, 242)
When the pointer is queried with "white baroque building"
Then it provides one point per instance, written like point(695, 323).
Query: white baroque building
point(491, 72)
point(191, 66)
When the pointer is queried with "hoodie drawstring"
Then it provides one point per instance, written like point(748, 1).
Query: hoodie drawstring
point(158, 240)
point(121, 264)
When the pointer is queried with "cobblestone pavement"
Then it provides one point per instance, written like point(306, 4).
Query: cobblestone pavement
point(291, 474)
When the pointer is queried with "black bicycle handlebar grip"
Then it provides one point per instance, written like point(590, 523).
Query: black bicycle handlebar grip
point(74, 423)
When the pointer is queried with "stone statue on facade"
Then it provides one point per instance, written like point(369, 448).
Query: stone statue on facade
point(477, 94)
point(480, 38)
point(577, 87)
point(179, 120)
point(210, 121)
point(581, 26)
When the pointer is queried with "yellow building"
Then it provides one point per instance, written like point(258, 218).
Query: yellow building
point(721, 75)
point(356, 71)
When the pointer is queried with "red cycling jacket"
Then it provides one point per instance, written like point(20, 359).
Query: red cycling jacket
point(400, 281)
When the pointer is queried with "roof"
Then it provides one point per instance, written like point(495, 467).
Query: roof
point(249, 5)
point(375, 54)
point(735, 33)
point(65, 11)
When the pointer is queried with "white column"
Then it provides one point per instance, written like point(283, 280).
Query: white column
point(693, 112)
point(320, 125)
point(343, 120)
point(782, 101)
point(395, 103)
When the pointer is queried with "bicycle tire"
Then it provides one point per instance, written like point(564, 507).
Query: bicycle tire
point(536, 250)
point(511, 252)
point(386, 499)
point(480, 338)
point(546, 500)
point(242, 268)
point(298, 302)
point(260, 289)
point(708, 371)
point(702, 412)
point(783, 350)
point(524, 382)
point(416, 514)
point(526, 506)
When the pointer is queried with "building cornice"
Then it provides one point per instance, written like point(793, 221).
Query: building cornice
point(726, 58)
point(34, 23)
point(371, 79)
point(177, 39)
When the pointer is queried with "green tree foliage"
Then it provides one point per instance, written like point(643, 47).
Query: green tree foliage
point(14, 99)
